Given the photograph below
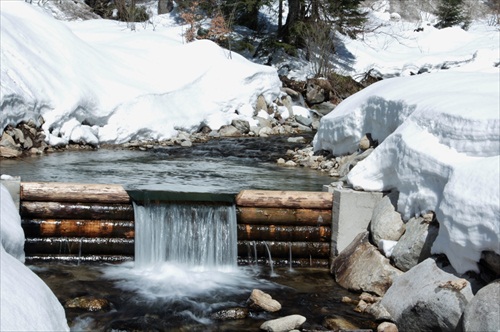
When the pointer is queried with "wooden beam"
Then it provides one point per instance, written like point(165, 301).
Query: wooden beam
point(68, 210)
point(73, 192)
point(284, 233)
point(283, 216)
point(285, 199)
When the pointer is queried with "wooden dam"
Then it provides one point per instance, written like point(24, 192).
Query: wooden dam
point(95, 222)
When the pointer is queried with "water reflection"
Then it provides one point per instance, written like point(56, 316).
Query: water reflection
point(146, 170)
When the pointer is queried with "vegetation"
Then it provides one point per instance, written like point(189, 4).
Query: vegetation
point(451, 13)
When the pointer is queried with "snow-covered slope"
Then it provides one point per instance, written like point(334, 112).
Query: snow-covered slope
point(440, 148)
point(106, 83)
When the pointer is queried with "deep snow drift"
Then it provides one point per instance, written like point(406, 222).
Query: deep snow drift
point(97, 81)
point(440, 144)
point(27, 303)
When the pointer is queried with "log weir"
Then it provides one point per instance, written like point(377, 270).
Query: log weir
point(95, 222)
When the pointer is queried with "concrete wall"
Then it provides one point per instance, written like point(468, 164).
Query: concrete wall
point(351, 214)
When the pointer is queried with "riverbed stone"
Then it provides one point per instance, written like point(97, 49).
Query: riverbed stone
point(387, 327)
point(386, 223)
point(263, 301)
point(415, 244)
point(7, 152)
point(261, 104)
point(361, 267)
point(231, 313)
point(426, 298)
point(283, 324)
point(483, 311)
point(339, 324)
point(88, 303)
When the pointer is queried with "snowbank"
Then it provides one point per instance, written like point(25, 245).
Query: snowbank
point(440, 144)
point(27, 303)
point(106, 83)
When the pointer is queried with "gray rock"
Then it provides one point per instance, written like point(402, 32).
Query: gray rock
point(492, 261)
point(261, 104)
point(8, 141)
point(386, 223)
point(283, 324)
point(242, 125)
point(315, 94)
point(288, 103)
point(303, 120)
point(387, 327)
point(426, 298)
point(231, 314)
point(298, 139)
point(415, 244)
point(361, 267)
point(324, 108)
point(364, 143)
point(229, 131)
point(263, 301)
point(88, 303)
point(6, 152)
point(483, 311)
point(265, 132)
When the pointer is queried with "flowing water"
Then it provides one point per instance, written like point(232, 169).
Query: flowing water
point(185, 267)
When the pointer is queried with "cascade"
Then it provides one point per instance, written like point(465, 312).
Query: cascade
point(200, 235)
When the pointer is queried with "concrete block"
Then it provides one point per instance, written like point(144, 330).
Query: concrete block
point(351, 214)
point(13, 186)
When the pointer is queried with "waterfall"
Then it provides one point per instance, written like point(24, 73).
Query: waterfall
point(198, 235)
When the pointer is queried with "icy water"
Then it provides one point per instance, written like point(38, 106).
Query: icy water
point(159, 171)
point(172, 295)
point(146, 300)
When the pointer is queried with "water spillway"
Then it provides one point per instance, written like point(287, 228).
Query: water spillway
point(82, 222)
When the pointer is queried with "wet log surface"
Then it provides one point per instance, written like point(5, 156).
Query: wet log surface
point(79, 246)
point(284, 233)
point(285, 249)
point(73, 192)
point(62, 210)
point(285, 199)
point(283, 216)
point(78, 228)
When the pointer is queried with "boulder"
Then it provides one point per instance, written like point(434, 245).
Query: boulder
point(426, 298)
point(492, 261)
point(415, 244)
point(339, 324)
point(387, 327)
point(482, 313)
point(263, 301)
point(261, 104)
point(242, 125)
point(361, 267)
point(305, 121)
point(386, 223)
point(6, 152)
point(297, 139)
point(283, 324)
point(229, 131)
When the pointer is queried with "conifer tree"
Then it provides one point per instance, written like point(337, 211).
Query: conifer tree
point(451, 13)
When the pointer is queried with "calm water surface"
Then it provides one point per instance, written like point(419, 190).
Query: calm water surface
point(159, 171)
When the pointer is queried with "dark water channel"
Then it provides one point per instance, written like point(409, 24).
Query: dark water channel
point(308, 292)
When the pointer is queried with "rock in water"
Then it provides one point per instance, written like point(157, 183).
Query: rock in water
point(263, 301)
point(88, 303)
point(231, 313)
point(283, 324)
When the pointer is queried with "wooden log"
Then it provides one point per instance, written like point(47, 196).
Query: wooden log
point(285, 199)
point(73, 192)
point(284, 233)
point(66, 258)
point(282, 249)
point(79, 246)
point(68, 210)
point(78, 228)
point(283, 216)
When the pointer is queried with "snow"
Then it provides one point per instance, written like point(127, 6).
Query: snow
point(100, 81)
point(439, 138)
point(27, 302)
